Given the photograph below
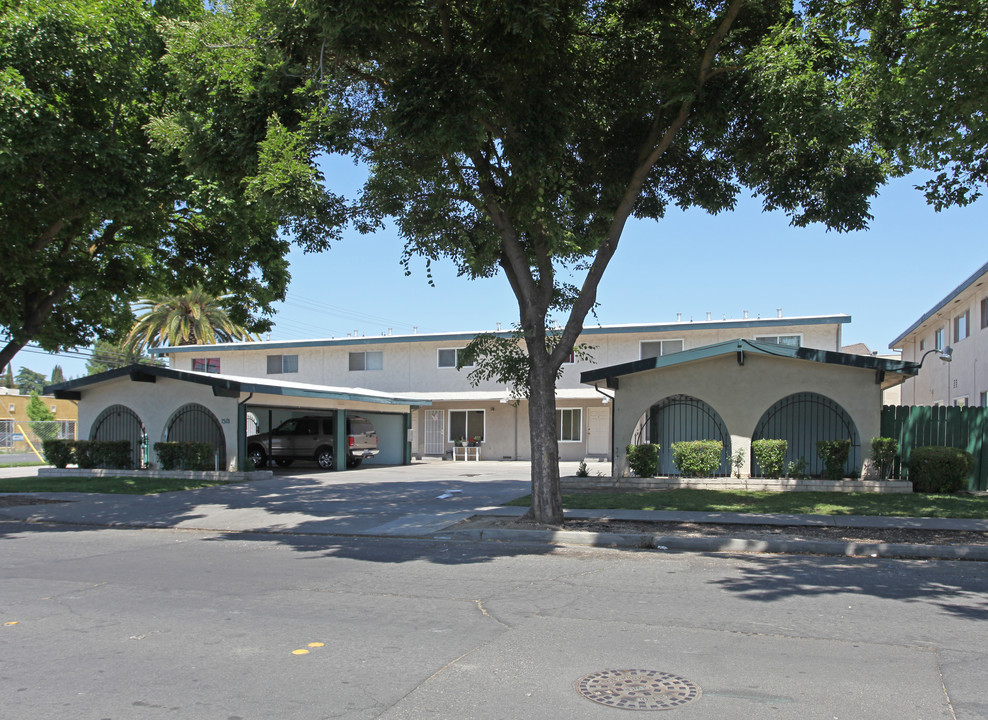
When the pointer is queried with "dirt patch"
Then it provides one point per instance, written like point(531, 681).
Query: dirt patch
point(16, 500)
point(746, 532)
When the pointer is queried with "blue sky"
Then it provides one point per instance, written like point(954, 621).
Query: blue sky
point(690, 262)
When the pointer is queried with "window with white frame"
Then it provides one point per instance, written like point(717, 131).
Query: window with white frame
point(449, 358)
point(922, 345)
point(280, 364)
point(569, 424)
point(960, 402)
point(940, 339)
point(984, 313)
point(367, 360)
point(790, 340)
point(466, 425)
point(658, 348)
point(962, 326)
point(984, 398)
point(207, 365)
point(571, 358)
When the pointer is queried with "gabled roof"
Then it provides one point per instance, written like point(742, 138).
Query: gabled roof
point(742, 347)
point(231, 386)
point(942, 304)
point(465, 337)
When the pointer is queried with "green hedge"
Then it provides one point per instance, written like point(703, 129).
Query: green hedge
point(834, 454)
point(770, 455)
point(185, 455)
point(58, 452)
point(643, 459)
point(87, 454)
point(697, 458)
point(934, 469)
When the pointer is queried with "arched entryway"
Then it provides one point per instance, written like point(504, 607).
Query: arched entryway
point(681, 417)
point(119, 422)
point(804, 419)
point(196, 423)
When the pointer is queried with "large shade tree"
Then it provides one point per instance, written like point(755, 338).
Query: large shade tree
point(91, 214)
point(519, 137)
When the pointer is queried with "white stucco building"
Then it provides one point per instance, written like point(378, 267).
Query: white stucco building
point(958, 321)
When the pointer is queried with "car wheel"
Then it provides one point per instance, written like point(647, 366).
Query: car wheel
point(256, 455)
point(284, 462)
point(325, 458)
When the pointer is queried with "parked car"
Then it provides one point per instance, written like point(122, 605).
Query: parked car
point(311, 438)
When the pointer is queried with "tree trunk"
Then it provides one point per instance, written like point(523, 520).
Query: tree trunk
point(547, 507)
point(9, 351)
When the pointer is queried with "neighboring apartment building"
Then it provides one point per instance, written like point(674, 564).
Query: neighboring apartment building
point(424, 366)
point(15, 425)
point(958, 321)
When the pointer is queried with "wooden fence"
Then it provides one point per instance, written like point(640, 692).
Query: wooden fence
point(960, 427)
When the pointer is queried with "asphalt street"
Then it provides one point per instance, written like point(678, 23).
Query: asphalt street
point(177, 623)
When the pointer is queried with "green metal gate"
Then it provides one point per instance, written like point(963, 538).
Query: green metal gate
point(804, 419)
point(960, 427)
point(681, 417)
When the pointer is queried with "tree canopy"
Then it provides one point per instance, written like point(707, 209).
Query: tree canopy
point(193, 318)
point(519, 136)
point(91, 213)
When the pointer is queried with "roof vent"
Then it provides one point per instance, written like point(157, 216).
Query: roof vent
point(745, 314)
point(778, 312)
point(679, 317)
point(708, 315)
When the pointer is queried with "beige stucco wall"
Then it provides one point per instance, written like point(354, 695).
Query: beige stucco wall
point(966, 376)
point(741, 394)
point(155, 403)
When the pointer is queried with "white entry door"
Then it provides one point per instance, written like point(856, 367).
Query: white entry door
point(435, 437)
point(599, 432)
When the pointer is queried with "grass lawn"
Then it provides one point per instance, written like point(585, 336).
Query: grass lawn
point(115, 484)
point(750, 501)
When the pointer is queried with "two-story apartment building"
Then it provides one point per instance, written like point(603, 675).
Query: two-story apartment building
point(423, 367)
point(958, 321)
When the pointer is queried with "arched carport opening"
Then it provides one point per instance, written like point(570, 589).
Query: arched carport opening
point(196, 423)
point(679, 418)
point(804, 419)
point(119, 422)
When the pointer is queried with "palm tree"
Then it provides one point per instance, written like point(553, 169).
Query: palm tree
point(195, 318)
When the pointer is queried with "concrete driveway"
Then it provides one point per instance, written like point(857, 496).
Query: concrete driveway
point(395, 500)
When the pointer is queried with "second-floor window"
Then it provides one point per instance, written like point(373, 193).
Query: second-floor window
point(984, 313)
point(790, 340)
point(280, 364)
point(962, 325)
point(449, 357)
point(939, 339)
point(209, 365)
point(367, 360)
point(657, 348)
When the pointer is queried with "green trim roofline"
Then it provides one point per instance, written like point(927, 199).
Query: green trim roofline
point(941, 305)
point(740, 346)
point(466, 337)
point(225, 386)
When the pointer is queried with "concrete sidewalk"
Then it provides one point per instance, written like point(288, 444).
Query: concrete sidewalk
point(428, 500)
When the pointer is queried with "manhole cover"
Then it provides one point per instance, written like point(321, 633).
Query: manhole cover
point(638, 689)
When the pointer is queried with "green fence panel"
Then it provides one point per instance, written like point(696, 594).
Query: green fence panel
point(965, 428)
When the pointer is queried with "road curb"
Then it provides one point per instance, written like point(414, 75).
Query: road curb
point(720, 544)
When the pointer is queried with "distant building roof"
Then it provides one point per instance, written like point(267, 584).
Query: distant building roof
point(468, 336)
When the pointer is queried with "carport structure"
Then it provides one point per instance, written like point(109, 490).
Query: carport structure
point(146, 404)
point(740, 390)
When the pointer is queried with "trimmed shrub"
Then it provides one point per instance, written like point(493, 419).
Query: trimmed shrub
point(883, 452)
point(697, 458)
point(834, 454)
point(643, 459)
point(109, 454)
point(58, 452)
point(934, 469)
point(184, 455)
point(770, 455)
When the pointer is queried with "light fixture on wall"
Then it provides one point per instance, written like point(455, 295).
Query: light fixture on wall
point(947, 354)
